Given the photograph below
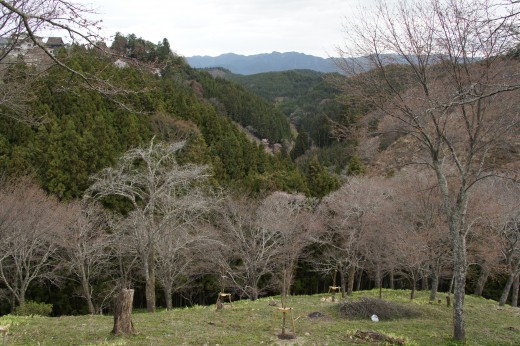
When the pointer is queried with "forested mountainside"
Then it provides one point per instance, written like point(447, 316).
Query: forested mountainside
point(314, 104)
point(83, 131)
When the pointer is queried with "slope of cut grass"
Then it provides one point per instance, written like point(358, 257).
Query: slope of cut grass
point(251, 323)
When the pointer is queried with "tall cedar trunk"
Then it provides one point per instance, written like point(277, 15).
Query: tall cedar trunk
point(392, 279)
point(86, 293)
point(149, 265)
point(516, 287)
point(484, 274)
point(351, 276)
point(343, 283)
point(507, 289)
point(435, 283)
point(168, 298)
point(123, 313)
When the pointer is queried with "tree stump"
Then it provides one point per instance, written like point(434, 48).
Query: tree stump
point(123, 313)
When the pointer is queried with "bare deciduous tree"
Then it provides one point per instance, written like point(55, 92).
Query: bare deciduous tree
point(292, 216)
point(84, 248)
point(166, 197)
point(247, 251)
point(181, 254)
point(29, 220)
point(348, 214)
point(260, 240)
point(451, 96)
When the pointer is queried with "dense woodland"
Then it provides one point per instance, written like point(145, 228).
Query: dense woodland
point(160, 187)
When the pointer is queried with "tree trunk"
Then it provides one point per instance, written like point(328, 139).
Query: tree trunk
point(123, 313)
point(516, 287)
point(149, 267)
point(484, 274)
point(459, 281)
point(378, 278)
point(360, 276)
point(86, 293)
point(392, 279)
point(13, 302)
point(343, 283)
point(412, 286)
point(351, 276)
point(507, 289)
point(254, 293)
point(455, 214)
point(168, 297)
point(424, 283)
point(435, 284)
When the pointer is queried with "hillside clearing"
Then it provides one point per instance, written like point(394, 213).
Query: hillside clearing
point(251, 322)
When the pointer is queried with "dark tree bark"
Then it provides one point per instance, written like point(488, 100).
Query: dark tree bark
point(360, 277)
point(168, 298)
point(435, 284)
point(88, 297)
point(123, 313)
point(150, 283)
point(392, 279)
point(507, 289)
point(516, 287)
point(484, 274)
point(424, 283)
point(351, 276)
point(343, 283)
point(412, 292)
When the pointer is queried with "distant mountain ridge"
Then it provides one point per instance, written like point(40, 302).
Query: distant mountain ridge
point(267, 62)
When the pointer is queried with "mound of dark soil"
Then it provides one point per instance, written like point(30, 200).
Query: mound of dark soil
point(365, 307)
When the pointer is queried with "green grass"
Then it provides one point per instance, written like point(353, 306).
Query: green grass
point(250, 323)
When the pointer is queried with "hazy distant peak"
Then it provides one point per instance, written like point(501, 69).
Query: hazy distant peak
point(266, 62)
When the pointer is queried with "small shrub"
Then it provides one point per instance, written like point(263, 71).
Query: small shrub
point(31, 308)
point(366, 307)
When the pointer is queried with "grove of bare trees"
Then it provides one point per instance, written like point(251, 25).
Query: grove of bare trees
point(454, 72)
point(374, 231)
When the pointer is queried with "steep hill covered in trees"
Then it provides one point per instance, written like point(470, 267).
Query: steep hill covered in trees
point(314, 103)
point(84, 131)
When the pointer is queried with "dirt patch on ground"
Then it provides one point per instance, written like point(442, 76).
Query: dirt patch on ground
point(365, 308)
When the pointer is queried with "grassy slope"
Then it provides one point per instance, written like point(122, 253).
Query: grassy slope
point(248, 323)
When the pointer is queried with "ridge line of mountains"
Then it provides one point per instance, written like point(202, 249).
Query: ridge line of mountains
point(267, 62)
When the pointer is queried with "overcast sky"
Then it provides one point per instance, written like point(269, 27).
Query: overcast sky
point(214, 27)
